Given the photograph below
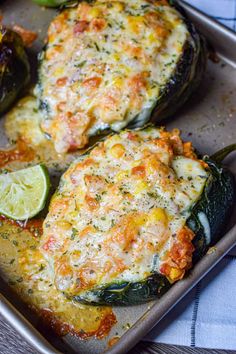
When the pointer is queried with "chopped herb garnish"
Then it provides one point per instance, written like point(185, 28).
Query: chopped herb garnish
point(98, 197)
point(74, 233)
point(97, 47)
point(42, 266)
point(79, 65)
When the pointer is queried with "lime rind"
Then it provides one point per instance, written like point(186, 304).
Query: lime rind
point(23, 193)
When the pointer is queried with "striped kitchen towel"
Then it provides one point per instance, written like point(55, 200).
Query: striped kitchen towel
point(221, 10)
point(206, 317)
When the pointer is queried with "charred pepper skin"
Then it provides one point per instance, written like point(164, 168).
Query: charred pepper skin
point(14, 68)
point(216, 202)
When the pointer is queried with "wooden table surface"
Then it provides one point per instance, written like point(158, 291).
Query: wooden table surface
point(12, 343)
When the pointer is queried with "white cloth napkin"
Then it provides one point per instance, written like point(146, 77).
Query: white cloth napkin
point(221, 10)
point(206, 317)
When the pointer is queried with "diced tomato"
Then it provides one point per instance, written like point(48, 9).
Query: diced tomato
point(188, 150)
point(165, 144)
point(132, 136)
point(80, 27)
point(92, 202)
point(165, 269)
point(138, 171)
point(61, 81)
point(87, 230)
point(125, 232)
point(50, 244)
point(98, 24)
point(92, 82)
point(63, 269)
point(61, 106)
point(83, 10)
point(138, 82)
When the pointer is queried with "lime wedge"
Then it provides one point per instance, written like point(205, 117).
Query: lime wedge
point(23, 193)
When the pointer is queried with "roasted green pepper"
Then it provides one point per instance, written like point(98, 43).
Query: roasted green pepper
point(171, 79)
point(14, 68)
point(51, 3)
point(215, 206)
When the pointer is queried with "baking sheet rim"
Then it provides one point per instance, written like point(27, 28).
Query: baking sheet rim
point(162, 306)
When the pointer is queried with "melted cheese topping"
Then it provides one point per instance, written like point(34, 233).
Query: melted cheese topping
point(120, 212)
point(106, 62)
point(31, 146)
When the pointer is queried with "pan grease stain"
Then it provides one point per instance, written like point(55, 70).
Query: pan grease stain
point(34, 226)
point(21, 153)
point(113, 341)
point(61, 328)
point(25, 269)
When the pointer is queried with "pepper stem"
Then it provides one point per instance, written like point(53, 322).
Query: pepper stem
point(220, 155)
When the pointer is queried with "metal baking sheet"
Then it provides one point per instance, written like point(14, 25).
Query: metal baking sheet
point(208, 120)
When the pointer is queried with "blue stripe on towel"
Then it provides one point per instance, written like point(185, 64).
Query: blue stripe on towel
point(194, 316)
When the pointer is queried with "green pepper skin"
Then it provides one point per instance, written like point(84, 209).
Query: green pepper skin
point(14, 68)
point(216, 203)
point(121, 294)
point(51, 3)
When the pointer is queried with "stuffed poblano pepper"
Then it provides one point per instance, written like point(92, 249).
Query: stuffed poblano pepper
point(112, 64)
point(14, 67)
point(132, 215)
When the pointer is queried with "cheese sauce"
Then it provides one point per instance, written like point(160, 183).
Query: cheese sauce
point(105, 62)
point(120, 212)
point(22, 265)
point(29, 144)
point(24, 268)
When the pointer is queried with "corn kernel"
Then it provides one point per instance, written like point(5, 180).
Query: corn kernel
point(72, 215)
point(140, 187)
point(140, 220)
point(76, 253)
point(117, 150)
point(94, 12)
point(59, 71)
point(22, 260)
point(120, 176)
point(158, 214)
point(116, 57)
point(119, 6)
point(152, 92)
point(125, 68)
point(179, 47)
point(152, 38)
point(51, 38)
point(135, 23)
point(175, 274)
point(111, 141)
point(64, 225)
point(118, 82)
